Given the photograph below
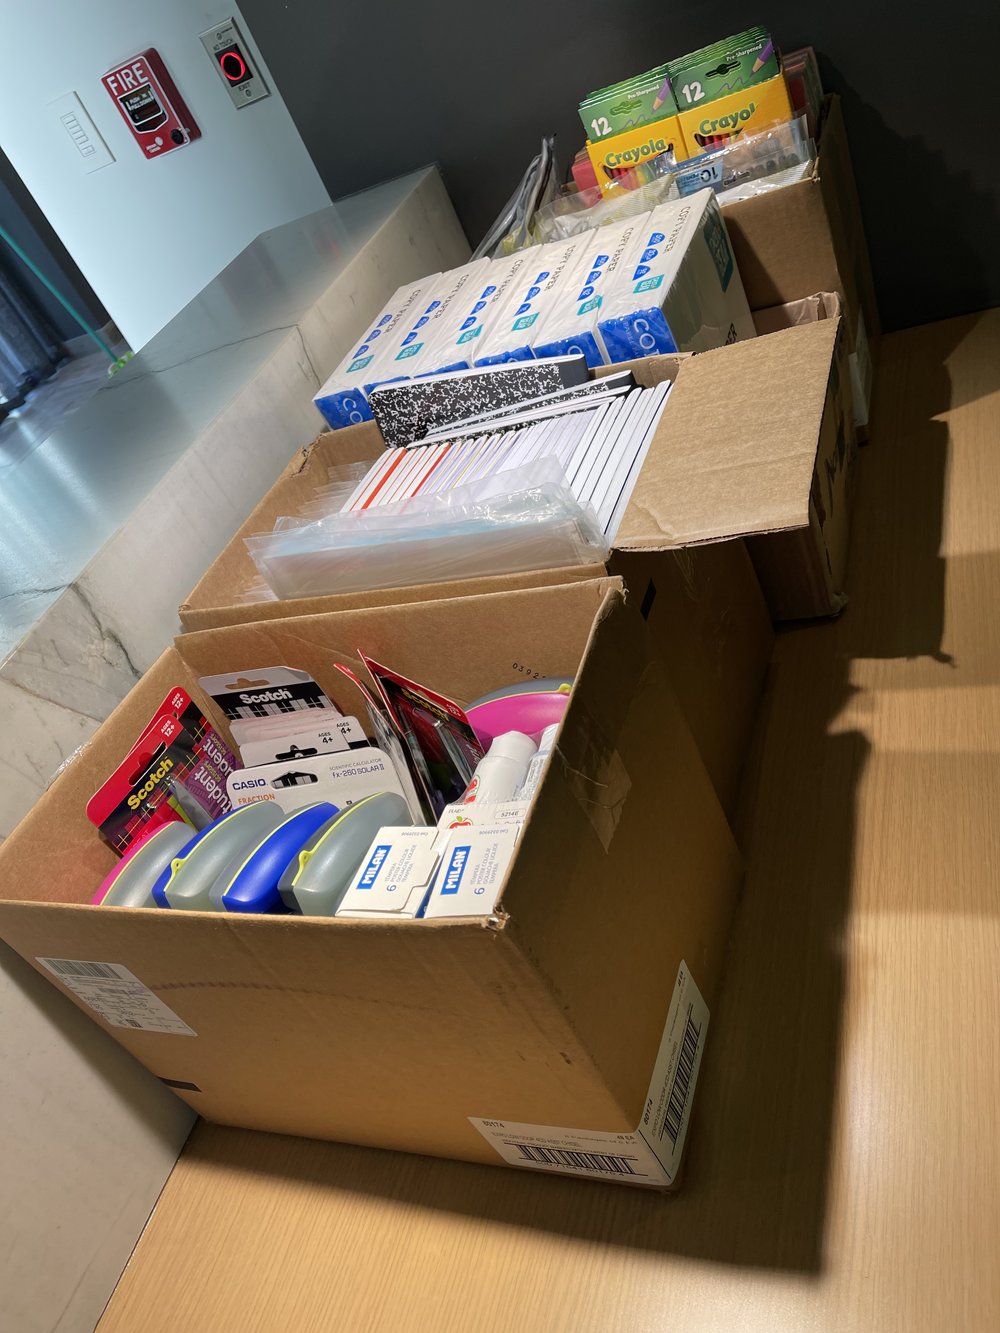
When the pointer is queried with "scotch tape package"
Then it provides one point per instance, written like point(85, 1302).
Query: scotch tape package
point(678, 289)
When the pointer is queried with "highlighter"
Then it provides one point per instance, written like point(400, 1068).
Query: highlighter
point(187, 880)
point(319, 876)
point(250, 882)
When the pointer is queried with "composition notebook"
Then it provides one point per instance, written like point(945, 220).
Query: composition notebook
point(409, 410)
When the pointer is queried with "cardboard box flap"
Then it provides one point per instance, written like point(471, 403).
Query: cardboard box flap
point(735, 452)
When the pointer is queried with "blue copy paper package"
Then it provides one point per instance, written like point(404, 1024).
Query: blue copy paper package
point(678, 289)
point(571, 326)
point(342, 400)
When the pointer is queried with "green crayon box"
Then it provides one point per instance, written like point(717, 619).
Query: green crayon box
point(726, 67)
point(627, 105)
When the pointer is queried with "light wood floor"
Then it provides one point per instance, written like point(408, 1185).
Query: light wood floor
point(844, 1165)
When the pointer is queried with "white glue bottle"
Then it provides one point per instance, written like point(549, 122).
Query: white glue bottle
point(537, 766)
point(503, 769)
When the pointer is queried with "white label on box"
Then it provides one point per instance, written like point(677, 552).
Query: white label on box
point(341, 779)
point(341, 734)
point(651, 1155)
point(117, 995)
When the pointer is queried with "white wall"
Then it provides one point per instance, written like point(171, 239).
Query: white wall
point(148, 235)
point(88, 1140)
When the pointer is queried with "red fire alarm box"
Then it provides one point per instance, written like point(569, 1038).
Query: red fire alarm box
point(150, 104)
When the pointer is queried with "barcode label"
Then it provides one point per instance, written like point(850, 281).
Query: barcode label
point(576, 1161)
point(651, 1155)
point(65, 967)
point(117, 995)
point(682, 1082)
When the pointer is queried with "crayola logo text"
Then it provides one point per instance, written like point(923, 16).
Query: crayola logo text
point(730, 122)
point(651, 148)
point(155, 778)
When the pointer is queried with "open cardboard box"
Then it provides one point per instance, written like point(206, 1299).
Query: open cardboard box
point(749, 433)
point(809, 237)
point(406, 1034)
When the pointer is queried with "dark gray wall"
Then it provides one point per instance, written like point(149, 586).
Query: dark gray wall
point(379, 88)
point(24, 220)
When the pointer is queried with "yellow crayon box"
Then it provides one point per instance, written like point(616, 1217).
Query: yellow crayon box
point(612, 158)
point(715, 124)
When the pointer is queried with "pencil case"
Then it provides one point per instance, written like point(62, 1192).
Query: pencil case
point(318, 877)
point(187, 880)
point(529, 712)
point(250, 882)
point(130, 883)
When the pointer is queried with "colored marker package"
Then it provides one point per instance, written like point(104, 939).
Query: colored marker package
point(678, 289)
point(512, 334)
point(571, 327)
point(342, 399)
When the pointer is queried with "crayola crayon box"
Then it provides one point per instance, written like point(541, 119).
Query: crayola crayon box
point(732, 65)
point(717, 123)
point(627, 105)
point(615, 157)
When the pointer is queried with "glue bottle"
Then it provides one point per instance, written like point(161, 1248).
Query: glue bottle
point(500, 774)
point(537, 765)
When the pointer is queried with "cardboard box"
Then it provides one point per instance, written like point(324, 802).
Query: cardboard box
point(809, 237)
point(727, 463)
point(551, 1023)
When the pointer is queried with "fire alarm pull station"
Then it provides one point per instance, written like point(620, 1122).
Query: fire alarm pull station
point(150, 104)
point(225, 44)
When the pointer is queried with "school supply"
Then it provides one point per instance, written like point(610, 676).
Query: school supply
point(571, 326)
point(130, 883)
point(628, 104)
point(680, 289)
point(187, 881)
point(512, 333)
point(342, 400)
point(175, 770)
point(250, 883)
point(724, 119)
point(412, 350)
point(416, 408)
point(662, 142)
point(729, 66)
point(528, 713)
point(503, 770)
point(317, 877)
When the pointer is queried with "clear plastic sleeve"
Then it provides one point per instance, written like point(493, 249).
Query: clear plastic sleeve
point(515, 520)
